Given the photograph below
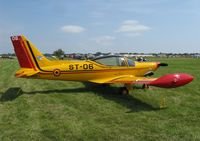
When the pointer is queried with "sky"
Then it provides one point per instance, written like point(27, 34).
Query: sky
point(90, 26)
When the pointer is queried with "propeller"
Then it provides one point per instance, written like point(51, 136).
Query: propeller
point(162, 64)
point(150, 73)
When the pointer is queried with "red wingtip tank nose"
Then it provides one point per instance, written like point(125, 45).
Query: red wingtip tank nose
point(172, 80)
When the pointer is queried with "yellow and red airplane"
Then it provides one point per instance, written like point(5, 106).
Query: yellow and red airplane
point(103, 70)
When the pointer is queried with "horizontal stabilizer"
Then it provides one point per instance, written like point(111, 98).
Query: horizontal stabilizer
point(24, 72)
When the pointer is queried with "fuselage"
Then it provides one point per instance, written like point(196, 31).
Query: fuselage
point(33, 64)
point(88, 70)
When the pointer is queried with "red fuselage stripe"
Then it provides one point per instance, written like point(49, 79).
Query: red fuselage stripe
point(79, 72)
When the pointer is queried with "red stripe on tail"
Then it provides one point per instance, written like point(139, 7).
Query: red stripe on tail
point(21, 52)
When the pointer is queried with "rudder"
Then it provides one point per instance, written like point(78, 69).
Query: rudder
point(22, 53)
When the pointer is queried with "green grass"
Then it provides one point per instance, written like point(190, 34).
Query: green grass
point(61, 110)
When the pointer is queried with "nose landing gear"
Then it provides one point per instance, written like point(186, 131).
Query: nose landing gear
point(145, 86)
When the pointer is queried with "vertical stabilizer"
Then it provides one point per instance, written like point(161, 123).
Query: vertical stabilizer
point(27, 54)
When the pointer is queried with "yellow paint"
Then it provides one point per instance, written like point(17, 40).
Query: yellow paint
point(86, 70)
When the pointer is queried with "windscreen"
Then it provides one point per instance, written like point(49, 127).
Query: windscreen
point(112, 61)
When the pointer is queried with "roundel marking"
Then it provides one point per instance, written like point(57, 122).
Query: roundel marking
point(56, 72)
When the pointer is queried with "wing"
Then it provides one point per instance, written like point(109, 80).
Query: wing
point(24, 72)
point(126, 79)
point(166, 81)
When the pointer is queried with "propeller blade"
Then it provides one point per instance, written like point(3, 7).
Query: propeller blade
point(162, 64)
point(150, 73)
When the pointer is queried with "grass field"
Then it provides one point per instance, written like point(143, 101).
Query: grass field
point(61, 110)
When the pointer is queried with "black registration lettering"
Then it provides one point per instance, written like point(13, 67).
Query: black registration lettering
point(85, 66)
point(76, 66)
point(71, 67)
point(80, 67)
point(91, 66)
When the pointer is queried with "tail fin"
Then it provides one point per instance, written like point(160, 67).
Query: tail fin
point(27, 54)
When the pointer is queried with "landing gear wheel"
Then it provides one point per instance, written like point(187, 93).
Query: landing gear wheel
point(124, 91)
point(104, 85)
point(145, 86)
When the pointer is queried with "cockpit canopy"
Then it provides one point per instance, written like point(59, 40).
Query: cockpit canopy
point(114, 61)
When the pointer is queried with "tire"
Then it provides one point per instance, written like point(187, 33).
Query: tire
point(145, 86)
point(124, 91)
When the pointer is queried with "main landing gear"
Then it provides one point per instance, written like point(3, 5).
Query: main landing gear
point(123, 91)
point(127, 87)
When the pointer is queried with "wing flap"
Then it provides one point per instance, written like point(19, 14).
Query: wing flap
point(128, 79)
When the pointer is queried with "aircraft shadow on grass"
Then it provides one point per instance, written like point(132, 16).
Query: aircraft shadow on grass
point(107, 92)
point(11, 94)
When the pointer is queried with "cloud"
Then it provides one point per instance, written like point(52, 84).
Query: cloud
point(104, 40)
point(132, 27)
point(72, 29)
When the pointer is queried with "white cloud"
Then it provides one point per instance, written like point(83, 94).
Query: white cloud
point(104, 40)
point(72, 29)
point(133, 27)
